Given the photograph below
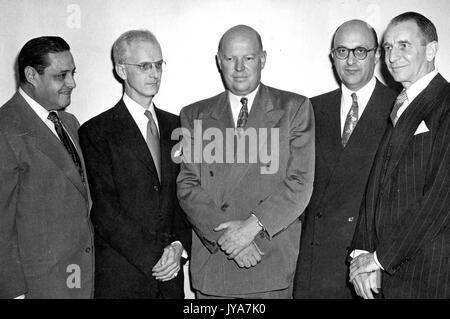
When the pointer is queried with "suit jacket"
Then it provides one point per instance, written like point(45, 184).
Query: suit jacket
point(340, 179)
point(134, 214)
point(211, 192)
point(405, 217)
point(46, 239)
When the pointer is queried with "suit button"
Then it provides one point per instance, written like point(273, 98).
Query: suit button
point(88, 250)
point(224, 207)
point(211, 173)
point(319, 215)
point(156, 188)
point(350, 219)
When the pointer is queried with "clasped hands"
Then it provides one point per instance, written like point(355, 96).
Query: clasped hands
point(169, 264)
point(237, 241)
point(365, 275)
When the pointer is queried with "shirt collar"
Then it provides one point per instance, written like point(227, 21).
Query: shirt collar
point(363, 93)
point(235, 100)
point(417, 87)
point(137, 111)
point(41, 111)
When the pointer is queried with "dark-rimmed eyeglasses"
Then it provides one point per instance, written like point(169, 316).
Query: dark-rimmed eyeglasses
point(360, 53)
point(147, 66)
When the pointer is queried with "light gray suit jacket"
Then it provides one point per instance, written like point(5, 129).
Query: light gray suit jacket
point(212, 193)
point(46, 237)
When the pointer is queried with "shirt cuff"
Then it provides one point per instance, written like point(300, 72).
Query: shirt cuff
point(376, 260)
point(184, 254)
point(358, 252)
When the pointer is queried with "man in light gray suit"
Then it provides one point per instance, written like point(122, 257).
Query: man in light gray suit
point(238, 201)
point(46, 241)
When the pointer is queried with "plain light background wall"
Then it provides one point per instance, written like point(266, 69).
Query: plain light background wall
point(296, 35)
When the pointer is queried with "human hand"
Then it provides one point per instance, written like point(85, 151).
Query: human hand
point(250, 256)
point(364, 263)
point(365, 283)
point(168, 265)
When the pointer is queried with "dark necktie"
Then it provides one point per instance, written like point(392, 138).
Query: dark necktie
point(153, 142)
point(351, 120)
point(65, 139)
point(243, 114)
point(401, 98)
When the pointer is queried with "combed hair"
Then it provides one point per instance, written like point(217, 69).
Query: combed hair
point(425, 25)
point(122, 43)
point(35, 53)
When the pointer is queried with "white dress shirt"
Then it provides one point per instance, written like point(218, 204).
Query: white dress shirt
point(137, 111)
point(236, 105)
point(363, 95)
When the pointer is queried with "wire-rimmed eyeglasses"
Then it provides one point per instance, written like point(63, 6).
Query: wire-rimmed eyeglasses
point(147, 66)
point(360, 53)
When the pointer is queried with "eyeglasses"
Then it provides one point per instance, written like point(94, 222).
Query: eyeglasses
point(360, 53)
point(147, 66)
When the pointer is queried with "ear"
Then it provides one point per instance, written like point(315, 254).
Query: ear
point(431, 50)
point(121, 71)
point(263, 59)
point(31, 75)
point(377, 55)
point(219, 61)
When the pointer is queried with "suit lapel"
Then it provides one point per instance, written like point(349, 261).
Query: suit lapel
point(49, 144)
point(165, 141)
point(406, 126)
point(130, 138)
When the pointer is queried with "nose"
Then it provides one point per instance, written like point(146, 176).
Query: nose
point(392, 55)
point(239, 64)
point(351, 59)
point(70, 81)
point(153, 72)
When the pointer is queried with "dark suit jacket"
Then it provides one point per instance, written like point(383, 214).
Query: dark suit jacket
point(46, 238)
point(212, 193)
point(339, 182)
point(134, 215)
point(406, 213)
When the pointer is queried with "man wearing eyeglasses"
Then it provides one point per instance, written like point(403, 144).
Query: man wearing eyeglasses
point(139, 226)
point(350, 122)
point(405, 218)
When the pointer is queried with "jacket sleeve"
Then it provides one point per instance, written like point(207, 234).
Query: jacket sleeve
point(12, 278)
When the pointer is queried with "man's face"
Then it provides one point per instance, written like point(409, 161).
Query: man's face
point(54, 87)
point(406, 52)
point(355, 73)
point(141, 83)
point(241, 61)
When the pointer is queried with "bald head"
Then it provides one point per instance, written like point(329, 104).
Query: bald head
point(354, 28)
point(241, 32)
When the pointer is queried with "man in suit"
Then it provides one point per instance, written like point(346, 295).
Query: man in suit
point(46, 238)
point(243, 207)
point(140, 230)
point(350, 123)
point(405, 217)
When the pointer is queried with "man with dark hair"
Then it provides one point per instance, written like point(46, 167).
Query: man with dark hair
point(141, 232)
point(245, 213)
point(403, 234)
point(350, 123)
point(46, 239)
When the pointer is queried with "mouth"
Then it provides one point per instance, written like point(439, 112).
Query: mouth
point(352, 71)
point(65, 93)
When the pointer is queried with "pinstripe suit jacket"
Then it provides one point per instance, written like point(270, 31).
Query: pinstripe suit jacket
point(406, 212)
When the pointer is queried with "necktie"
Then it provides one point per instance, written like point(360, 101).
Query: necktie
point(401, 98)
point(65, 139)
point(153, 142)
point(243, 114)
point(351, 120)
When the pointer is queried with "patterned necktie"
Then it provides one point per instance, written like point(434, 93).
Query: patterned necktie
point(153, 142)
point(65, 139)
point(401, 98)
point(351, 120)
point(243, 114)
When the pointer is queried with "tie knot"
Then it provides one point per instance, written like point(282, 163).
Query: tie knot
point(53, 116)
point(354, 98)
point(149, 115)
point(401, 98)
point(244, 101)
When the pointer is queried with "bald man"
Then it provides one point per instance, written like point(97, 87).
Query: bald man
point(350, 122)
point(243, 207)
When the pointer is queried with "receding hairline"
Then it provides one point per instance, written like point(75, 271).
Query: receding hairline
point(240, 30)
point(368, 27)
point(127, 39)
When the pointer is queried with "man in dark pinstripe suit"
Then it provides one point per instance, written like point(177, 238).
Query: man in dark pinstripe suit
point(405, 216)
